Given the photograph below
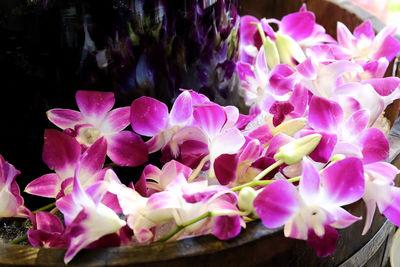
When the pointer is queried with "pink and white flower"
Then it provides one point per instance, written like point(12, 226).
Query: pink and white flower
point(96, 120)
point(313, 210)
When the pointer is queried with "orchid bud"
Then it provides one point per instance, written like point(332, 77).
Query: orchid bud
point(270, 49)
point(288, 49)
point(294, 151)
point(290, 127)
point(246, 198)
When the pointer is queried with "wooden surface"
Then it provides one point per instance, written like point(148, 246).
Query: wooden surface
point(256, 245)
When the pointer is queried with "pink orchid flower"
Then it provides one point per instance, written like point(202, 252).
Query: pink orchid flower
point(83, 210)
point(351, 137)
point(313, 211)
point(11, 202)
point(150, 117)
point(364, 45)
point(213, 134)
point(62, 153)
point(380, 191)
point(48, 232)
point(96, 120)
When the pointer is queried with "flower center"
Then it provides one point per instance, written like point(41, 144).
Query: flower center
point(88, 135)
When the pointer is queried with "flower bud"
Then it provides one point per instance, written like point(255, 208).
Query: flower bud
point(288, 49)
point(294, 151)
point(270, 50)
point(246, 198)
point(290, 127)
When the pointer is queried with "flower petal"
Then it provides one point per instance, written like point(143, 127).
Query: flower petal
point(92, 160)
point(392, 212)
point(127, 149)
point(324, 115)
point(277, 203)
point(65, 118)
point(49, 222)
point(326, 244)
point(226, 227)
point(343, 181)
point(375, 146)
point(210, 117)
point(182, 109)
point(225, 167)
point(47, 185)
point(310, 182)
point(61, 152)
point(298, 25)
point(94, 105)
point(148, 116)
point(116, 120)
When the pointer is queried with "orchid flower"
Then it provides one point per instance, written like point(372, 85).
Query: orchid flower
point(380, 191)
point(313, 211)
point(149, 117)
point(83, 211)
point(11, 202)
point(62, 153)
point(96, 120)
point(350, 137)
point(364, 45)
point(49, 231)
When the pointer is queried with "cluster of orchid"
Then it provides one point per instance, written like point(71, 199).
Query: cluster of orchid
point(307, 148)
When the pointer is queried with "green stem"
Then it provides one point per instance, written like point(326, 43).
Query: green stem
point(19, 240)
point(111, 164)
point(47, 207)
point(182, 226)
point(267, 170)
point(263, 182)
point(199, 167)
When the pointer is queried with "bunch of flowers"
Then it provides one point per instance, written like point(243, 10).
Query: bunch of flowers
point(307, 148)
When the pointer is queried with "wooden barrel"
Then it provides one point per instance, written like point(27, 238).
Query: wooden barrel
point(256, 245)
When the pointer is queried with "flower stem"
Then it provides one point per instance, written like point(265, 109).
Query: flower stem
point(263, 182)
point(267, 170)
point(256, 181)
point(198, 169)
point(182, 226)
point(47, 207)
point(19, 239)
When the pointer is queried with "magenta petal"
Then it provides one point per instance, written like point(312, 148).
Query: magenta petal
point(298, 25)
point(225, 167)
point(182, 109)
point(323, 151)
point(310, 182)
point(116, 120)
point(357, 122)
point(383, 169)
point(65, 118)
point(49, 222)
point(210, 117)
point(299, 100)
point(392, 212)
point(375, 146)
point(111, 201)
point(384, 86)
point(389, 48)
point(245, 71)
point(127, 149)
point(148, 116)
point(307, 69)
point(365, 29)
point(277, 203)
point(325, 245)
point(60, 151)
point(343, 181)
point(226, 227)
point(47, 185)
point(276, 142)
point(94, 105)
point(342, 217)
point(93, 159)
point(344, 36)
point(324, 114)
